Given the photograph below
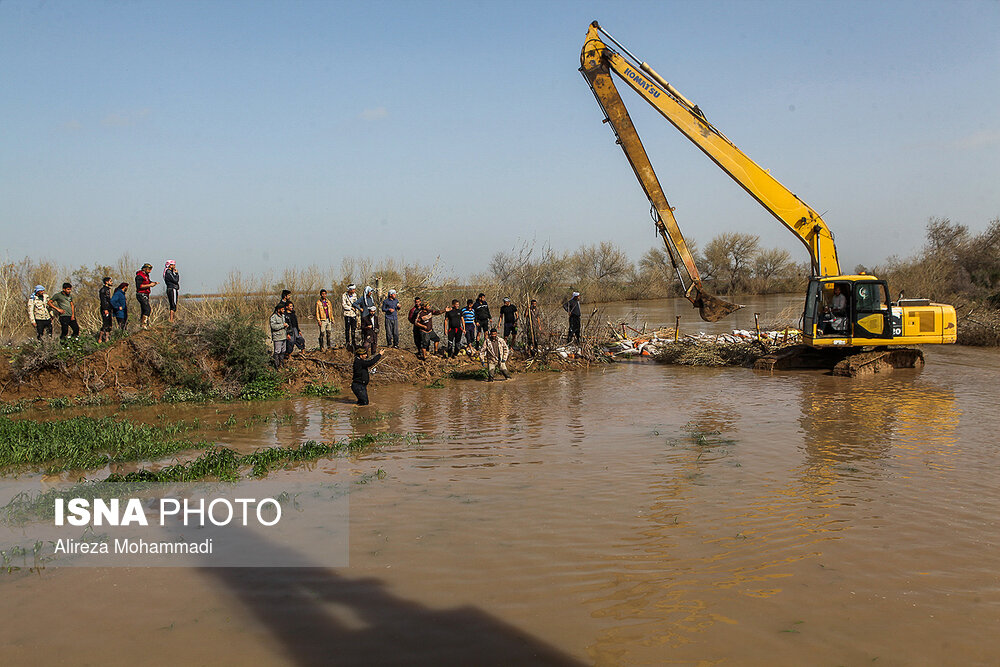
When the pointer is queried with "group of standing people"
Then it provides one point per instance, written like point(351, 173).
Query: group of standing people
point(43, 310)
point(468, 327)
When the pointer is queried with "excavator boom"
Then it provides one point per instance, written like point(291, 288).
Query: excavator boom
point(711, 307)
point(597, 60)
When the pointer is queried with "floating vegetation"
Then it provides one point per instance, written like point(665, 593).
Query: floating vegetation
point(130, 399)
point(320, 389)
point(262, 389)
point(377, 416)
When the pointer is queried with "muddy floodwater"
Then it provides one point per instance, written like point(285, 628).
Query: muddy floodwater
point(628, 514)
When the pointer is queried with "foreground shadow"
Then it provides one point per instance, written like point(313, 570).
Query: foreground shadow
point(323, 618)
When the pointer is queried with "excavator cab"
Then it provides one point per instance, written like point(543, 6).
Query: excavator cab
point(848, 311)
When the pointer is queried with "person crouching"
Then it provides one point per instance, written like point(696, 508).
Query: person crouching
point(362, 373)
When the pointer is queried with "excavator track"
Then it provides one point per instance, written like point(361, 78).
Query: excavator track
point(841, 362)
point(879, 361)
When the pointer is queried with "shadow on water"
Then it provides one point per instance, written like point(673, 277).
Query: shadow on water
point(323, 618)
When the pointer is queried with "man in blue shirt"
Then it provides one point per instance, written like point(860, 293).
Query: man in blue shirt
point(390, 306)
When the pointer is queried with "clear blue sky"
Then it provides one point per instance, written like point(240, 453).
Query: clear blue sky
point(259, 135)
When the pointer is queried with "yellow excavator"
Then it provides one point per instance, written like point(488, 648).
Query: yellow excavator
point(849, 322)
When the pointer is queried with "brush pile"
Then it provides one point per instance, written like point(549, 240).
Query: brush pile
point(737, 348)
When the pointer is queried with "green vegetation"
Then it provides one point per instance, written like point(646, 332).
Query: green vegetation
point(224, 464)
point(262, 389)
point(185, 395)
point(234, 339)
point(12, 408)
point(85, 443)
point(318, 389)
point(475, 374)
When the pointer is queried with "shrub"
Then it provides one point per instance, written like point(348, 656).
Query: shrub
point(235, 340)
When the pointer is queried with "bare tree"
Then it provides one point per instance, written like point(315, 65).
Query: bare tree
point(605, 261)
point(729, 258)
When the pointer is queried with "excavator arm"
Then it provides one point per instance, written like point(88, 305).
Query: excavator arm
point(597, 61)
point(711, 307)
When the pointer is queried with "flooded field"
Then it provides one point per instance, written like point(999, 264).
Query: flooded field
point(628, 514)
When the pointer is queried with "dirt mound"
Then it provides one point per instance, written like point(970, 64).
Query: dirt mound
point(119, 370)
point(131, 367)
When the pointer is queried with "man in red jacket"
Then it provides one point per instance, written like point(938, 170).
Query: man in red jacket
point(142, 286)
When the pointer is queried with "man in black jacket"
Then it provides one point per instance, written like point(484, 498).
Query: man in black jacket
point(362, 364)
point(107, 319)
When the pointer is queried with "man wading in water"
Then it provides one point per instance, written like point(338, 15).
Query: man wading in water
point(362, 369)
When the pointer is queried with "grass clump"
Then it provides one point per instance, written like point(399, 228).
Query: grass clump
point(85, 443)
point(12, 408)
point(475, 374)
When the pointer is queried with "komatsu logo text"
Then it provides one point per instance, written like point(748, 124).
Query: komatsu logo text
point(642, 83)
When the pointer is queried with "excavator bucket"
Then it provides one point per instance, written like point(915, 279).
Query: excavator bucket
point(710, 307)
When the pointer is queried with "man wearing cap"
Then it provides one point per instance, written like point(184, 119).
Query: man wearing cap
point(39, 314)
point(390, 306)
point(347, 300)
point(172, 280)
point(324, 318)
point(142, 286)
point(508, 313)
point(494, 354)
point(573, 308)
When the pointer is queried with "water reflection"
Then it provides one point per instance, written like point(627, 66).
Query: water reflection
point(856, 426)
